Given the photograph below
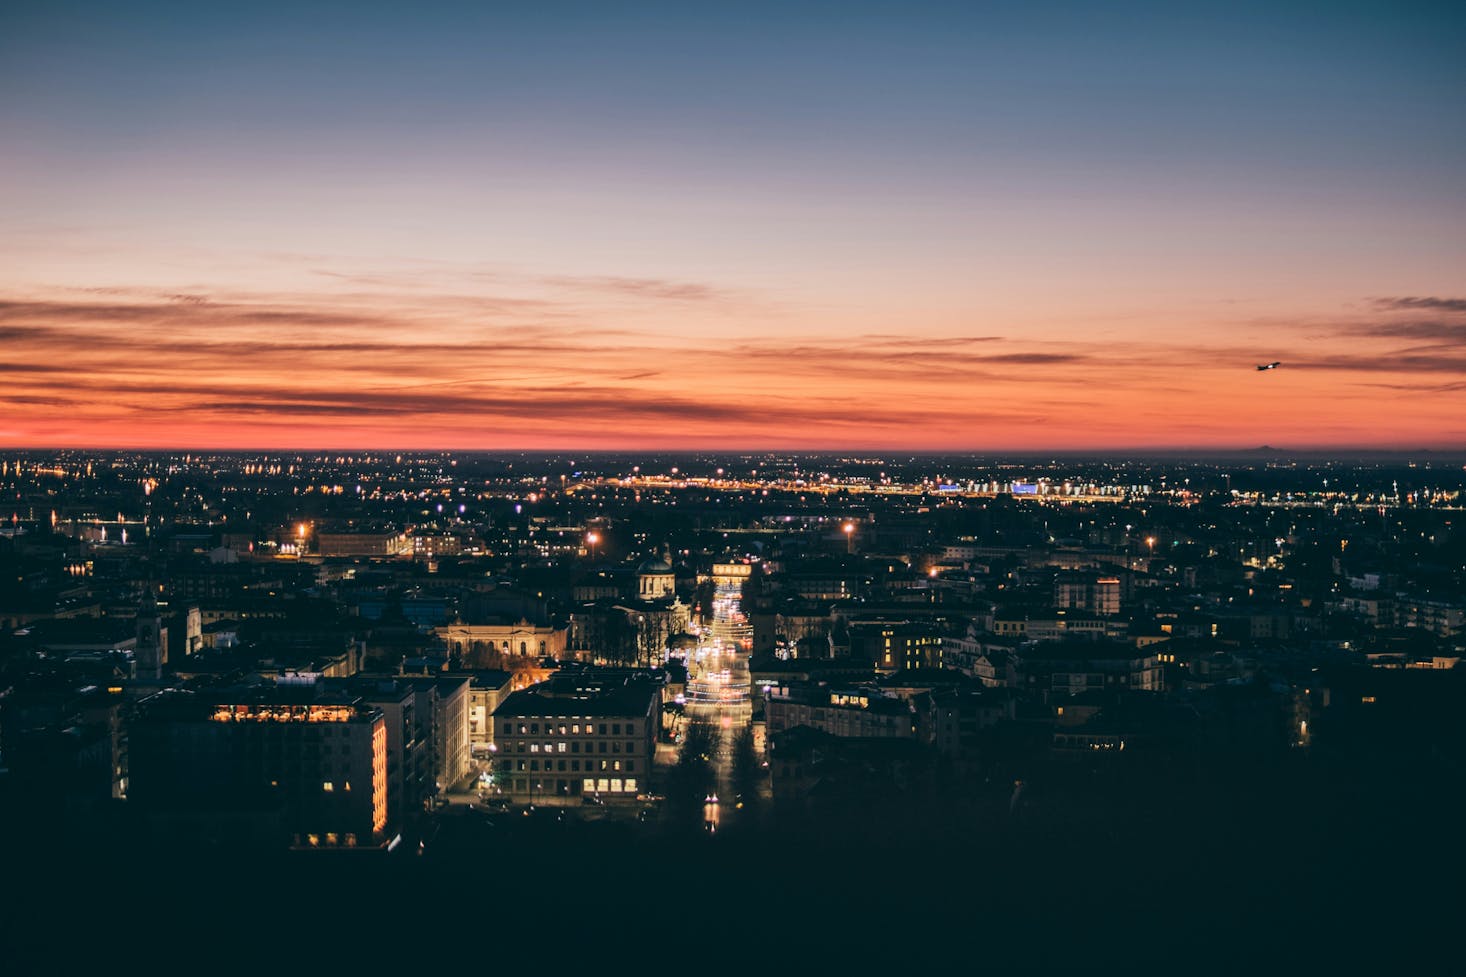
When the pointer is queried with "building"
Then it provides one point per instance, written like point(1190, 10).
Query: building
point(487, 688)
point(271, 765)
point(897, 646)
point(1074, 667)
point(1087, 591)
point(656, 579)
point(586, 734)
point(839, 711)
point(490, 645)
point(381, 545)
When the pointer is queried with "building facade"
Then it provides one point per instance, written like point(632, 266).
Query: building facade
point(589, 735)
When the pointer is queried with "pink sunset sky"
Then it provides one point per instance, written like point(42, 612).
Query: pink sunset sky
point(240, 248)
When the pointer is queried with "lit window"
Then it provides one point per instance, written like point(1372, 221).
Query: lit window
point(346, 786)
point(328, 786)
point(1368, 698)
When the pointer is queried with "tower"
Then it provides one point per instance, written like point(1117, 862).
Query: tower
point(151, 653)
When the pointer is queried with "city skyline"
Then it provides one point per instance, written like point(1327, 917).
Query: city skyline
point(944, 227)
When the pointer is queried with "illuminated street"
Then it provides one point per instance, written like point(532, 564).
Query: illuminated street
point(718, 687)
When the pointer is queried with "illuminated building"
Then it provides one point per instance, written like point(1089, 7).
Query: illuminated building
point(266, 765)
point(1092, 592)
point(487, 689)
point(896, 646)
point(656, 579)
point(383, 545)
point(860, 713)
point(590, 734)
point(488, 645)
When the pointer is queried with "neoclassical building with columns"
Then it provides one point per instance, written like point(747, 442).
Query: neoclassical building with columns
point(479, 645)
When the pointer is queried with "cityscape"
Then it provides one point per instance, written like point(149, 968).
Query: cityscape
point(649, 486)
point(449, 659)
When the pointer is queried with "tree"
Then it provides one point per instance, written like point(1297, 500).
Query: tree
point(694, 777)
point(747, 770)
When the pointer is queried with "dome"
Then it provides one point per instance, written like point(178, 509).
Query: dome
point(655, 566)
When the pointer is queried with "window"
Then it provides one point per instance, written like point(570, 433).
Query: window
point(534, 727)
point(534, 747)
point(616, 784)
point(561, 766)
point(630, 765)
point(575, 728)
point(588, 785)
point(328, 786)
point(559, 747)
point(616, 765)
point(616, 729)
point(631, 784)
point(630, 747)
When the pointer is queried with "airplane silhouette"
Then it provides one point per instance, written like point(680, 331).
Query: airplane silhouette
point(1270, 366)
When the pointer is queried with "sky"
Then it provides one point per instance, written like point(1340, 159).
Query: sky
point(980, 226)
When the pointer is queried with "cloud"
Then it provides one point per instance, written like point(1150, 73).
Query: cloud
point(184, 313)
point(32, 367)
point(1379, 364)
point(644, 288)
point(921, 342)
point(1437, 388)
point(1452, 333)
point(1411, 302)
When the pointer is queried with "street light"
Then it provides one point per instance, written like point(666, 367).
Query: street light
point(591, 539)
point(849, 530)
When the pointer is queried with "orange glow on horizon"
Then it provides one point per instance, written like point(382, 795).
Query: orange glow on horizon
point(145, 369)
